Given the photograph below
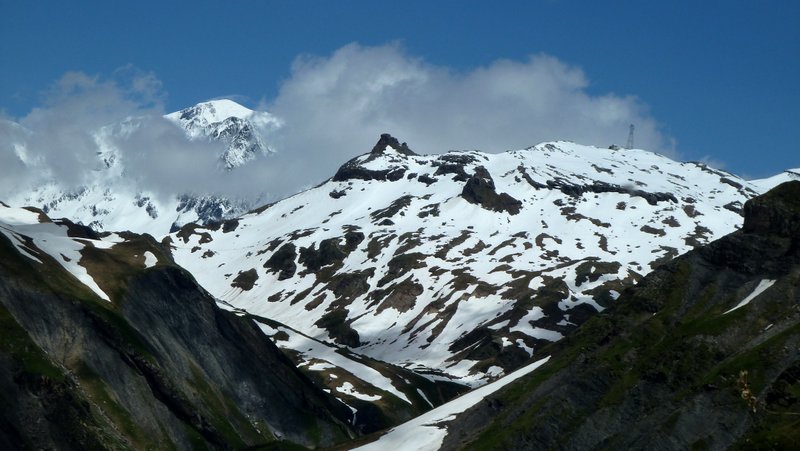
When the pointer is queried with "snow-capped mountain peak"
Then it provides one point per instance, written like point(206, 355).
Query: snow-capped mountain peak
point(213, 111)
point(200, 116)
point(226, 120)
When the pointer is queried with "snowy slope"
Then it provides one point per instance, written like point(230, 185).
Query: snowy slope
point(363, 384)
point(427, 432)
point(786, 176)
point(111, 200)
point(460, 265)
point(33, 233)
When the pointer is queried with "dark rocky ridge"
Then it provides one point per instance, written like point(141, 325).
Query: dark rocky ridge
point(574, 190)
point(390, 141)
point(665, 366)
point(353, 169)
point(480, 190)
point(160, 367)
point(777, 212)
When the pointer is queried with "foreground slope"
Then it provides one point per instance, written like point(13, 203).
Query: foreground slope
point(106, 343)
point(462, 265)
point(703, 353)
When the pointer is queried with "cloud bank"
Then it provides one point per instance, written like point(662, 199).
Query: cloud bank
point(344, 100)
point(332, 107)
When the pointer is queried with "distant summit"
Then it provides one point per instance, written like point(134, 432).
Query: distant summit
point(110, 199)
point(230, 122)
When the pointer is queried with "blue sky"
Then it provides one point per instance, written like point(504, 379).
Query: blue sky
point(715, 81)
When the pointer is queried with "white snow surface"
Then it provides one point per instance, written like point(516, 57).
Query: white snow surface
point(471, 267)
point(20, 225)
point(348, 389)
point(17, 216)
point(427, 431)
point(215, 111)
point(771, 182)
point(322, 357)
point(150, 259)
point(760, 288)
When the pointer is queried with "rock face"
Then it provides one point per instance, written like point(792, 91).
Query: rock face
point(480, 190)
point(702, 353)
point(386, 147)
point(157, 365)
point(387, 140)
point(777, 212)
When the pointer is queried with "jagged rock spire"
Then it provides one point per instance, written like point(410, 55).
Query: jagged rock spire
point(390, 141)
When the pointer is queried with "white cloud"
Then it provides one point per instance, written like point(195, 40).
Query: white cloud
point(333, 108)
point(57, 138)
point(338, 105)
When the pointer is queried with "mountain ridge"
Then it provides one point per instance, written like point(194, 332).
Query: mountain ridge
point(383, 256)
point(399, 282)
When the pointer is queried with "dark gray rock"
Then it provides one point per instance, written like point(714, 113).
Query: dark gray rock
point(576, 190)
point(282, 261)
point(777, 212)
point(353, 170)
point(387, 140)
point(480, 190)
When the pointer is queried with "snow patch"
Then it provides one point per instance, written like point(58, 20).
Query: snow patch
point(17, 216)
point(422, 395)
point(150, 260)
point(348, 389)
point(762, 286)
point(426, 432)
point(311, 349)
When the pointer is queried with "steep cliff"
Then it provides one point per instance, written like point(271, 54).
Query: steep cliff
point(155, 366)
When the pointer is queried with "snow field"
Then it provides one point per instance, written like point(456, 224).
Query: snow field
point(551, 236)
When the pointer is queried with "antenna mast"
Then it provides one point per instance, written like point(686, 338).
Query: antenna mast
point(629, 145)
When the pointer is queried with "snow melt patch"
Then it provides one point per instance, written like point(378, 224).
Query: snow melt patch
point(319, 366)
point(67, 252)
point(762, 286)
point(150, 260)
point(321, 353)
point(19, 225)
point(422, 394)
point(19, 242)
point(426, 432)
point(348, 389)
